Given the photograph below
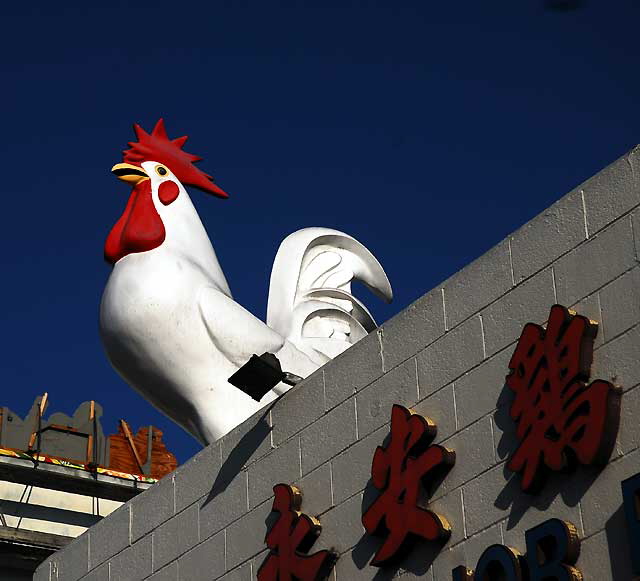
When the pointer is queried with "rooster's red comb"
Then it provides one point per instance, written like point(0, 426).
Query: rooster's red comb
point(156, 146)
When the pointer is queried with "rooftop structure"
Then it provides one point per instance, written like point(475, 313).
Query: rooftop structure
point(60, 474)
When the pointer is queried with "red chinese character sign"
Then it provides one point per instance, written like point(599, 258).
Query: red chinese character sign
point(400, 470)
point(560, 418)
point(290, 538)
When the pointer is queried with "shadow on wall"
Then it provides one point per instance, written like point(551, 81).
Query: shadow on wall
point(417, 560)
point(618, 545)
point(240, 455)
point(570, 485)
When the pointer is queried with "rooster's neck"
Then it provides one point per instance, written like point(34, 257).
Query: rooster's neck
point(188, 240)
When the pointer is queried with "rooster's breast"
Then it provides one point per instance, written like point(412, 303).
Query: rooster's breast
point(153, 334)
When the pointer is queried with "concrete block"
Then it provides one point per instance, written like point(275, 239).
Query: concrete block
point(441, 408)
point(590, 307)
point(134, 563)
point(635, 223)
point(281, 465)
point(480, 496)
point(175, 537)
point(195, 478)
point(241, 573)
point(204, 562)
point(374, 403)
point(466, 553)
point(620, 303)
point(342, 526)
point(43, 572)
point(529, 302)
point(354, 369)
point(477, 285)
point(72, 562)
point(555, 500)
point(548, 236)
point(257, 562)
point(316, 490)
point(300, 406)
point(168, 573)
point(328, 436)
point(352, 566)
point(99, 574)
point(245, 537)
point(411, 576)
point(604, 497)
point(606, 556)
point(248, 442)
point(477, 392)
point(612, 192)
point(110, 536)
point(352, 468)
point(594, 263)
point(412, 329)
point(347, 569)
point(450, 356)
point(628, 432)
point(474, 454)
point(151, 508)
point(227, 503)
point(450, 507)
point(594, 558)
point(617, 361)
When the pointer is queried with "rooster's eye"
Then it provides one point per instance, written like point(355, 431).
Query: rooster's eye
point(161, 170)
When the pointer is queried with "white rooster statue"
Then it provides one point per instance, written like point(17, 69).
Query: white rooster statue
point(168, 322)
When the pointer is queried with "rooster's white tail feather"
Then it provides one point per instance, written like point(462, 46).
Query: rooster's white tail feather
point(310, 300)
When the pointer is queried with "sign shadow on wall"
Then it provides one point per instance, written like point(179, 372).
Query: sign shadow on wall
point(570, 485)
point(618, 544)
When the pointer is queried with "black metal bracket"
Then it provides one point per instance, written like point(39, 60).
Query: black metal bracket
point(260, 375)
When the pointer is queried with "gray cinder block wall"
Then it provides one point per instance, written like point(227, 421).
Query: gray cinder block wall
point(446, 356)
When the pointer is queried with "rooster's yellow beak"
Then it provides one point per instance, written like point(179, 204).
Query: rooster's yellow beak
point(129, 173)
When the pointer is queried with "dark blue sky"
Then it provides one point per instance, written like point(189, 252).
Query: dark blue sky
point(428, 131)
